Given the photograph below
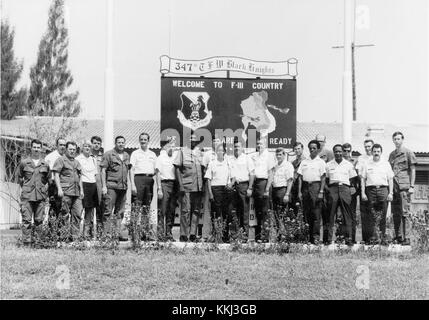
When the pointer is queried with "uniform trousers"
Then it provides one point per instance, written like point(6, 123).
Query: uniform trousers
point(261, 208)
point(144, 186)
point(114, 210)
point(400, 208)
point(242, 206)
point(280, 209)
point(377, 202)
point(221, 211)
point(29, 209)
point(70, 216)
point(312, 207)
point(190, 214)
point(167, 206)
point(340, 197)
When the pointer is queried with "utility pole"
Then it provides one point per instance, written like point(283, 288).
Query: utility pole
point(109, 109)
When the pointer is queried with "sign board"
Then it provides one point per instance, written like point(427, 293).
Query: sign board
point(235, 105)
point(229, 63)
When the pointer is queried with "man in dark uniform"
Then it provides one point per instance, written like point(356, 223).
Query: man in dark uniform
point(190, 180)
point(403, 162)
point(97, 153)
point(33, 176)
point(114, 178)
point(68, 179)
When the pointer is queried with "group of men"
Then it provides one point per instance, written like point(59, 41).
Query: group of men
point(207, 185)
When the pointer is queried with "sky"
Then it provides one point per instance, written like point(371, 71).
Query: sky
point(391, 76)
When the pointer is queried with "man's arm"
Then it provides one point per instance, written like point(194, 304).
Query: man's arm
point(322, 186)
point(133, 185)
point(58, 184)
point(81, 187)
point(299, 187)
point(179, 179)
point(103, 181)
point(390, 195)
point(288, 190)
point(412, 178)
point(363, 186)
point(270, 181)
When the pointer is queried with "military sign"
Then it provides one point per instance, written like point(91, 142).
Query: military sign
point(266, 105)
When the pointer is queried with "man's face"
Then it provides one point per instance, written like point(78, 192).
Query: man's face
point(71, 151)
point(347, 153)
point(238, 149)
point(397, 140)
point(120, 144)
point(338, 153)
point(313, 149)
point(298, 150)
point(61, 146)
point(280, 156)
point(144, 140)
point(260, 145)
point(86, 149)
point(368, 147)
point(216, 142)
point(220, 152)
point(36, 149)
point(96, 145)
point(376, 153)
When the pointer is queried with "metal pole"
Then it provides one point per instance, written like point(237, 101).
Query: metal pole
point(354, 81)
point(109, 107)
point(347, 74)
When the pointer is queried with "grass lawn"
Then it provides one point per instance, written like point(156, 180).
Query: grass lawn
point(198, 274)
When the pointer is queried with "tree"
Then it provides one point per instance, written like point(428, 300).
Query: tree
point(12, 100)
point(50, 76)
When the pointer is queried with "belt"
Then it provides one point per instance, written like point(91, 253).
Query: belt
point(143, 175)
point(168, 180)
point(311, 182)
point(260, 179)
point(242, 182)
point(338, 184)
point(376, 187)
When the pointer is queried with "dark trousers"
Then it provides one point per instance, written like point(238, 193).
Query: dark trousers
point(90, 202)
point(114, 202)
point(99, 209)
point(190, 215)
point(400, 208)
point(294, 200)
point(377, 201)
point(365, 216)
point(261, 208)
point(29, 209)
point(280, 210)
point(144, 186)
point(221, 211)
point(312, 208)
point(70, 216)
point(167, 207)
point(340, 197)
point(242, 206)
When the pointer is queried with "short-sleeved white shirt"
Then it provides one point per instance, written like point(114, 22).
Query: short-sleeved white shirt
point(340, 172)
point(143, 162)
point(89, 168)
point(242, 167)
point(263, 162)
point(282, 173)
point(164, 164)
point(312, 169)
point(361, 162)
point(218, 172)
point(377, 173)
point(51, 158)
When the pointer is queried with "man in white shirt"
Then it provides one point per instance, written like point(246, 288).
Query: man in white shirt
point(339, 173)
point(311, 187)
point(142, 163)
point(243, 175)
point(167, 190)
point(264, 162)
point(90, 200)
point(363, 205)
point(377, 189)
point(218, 175)
point(281, 189)
point(54, 200)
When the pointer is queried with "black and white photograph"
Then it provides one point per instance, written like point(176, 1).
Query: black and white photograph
point(214, 156)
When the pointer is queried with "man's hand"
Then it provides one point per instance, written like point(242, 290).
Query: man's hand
point(363, 197)
point(104, 190)
point(60, 193)
point(411, 190)
point(390, 197)
point(181, 190)
point(352, 190)
point(300, 196)
point(286, 198)
point(229, 186)
point(320, 195)
point(134, 189)
point(249, 193)
point(82, 195)
point(211, 198)
point(266, 193)
point(160, 194)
